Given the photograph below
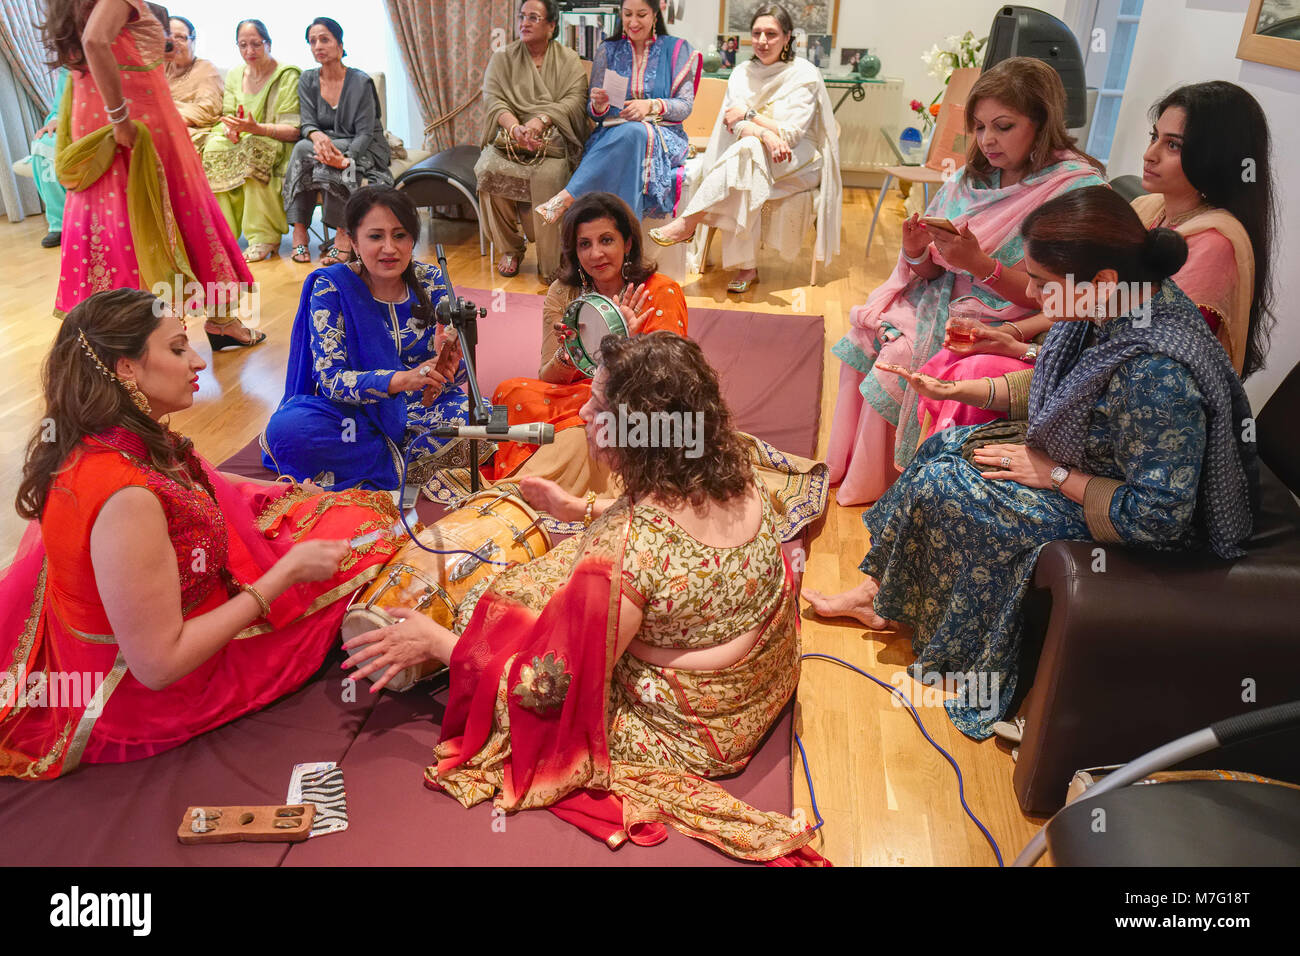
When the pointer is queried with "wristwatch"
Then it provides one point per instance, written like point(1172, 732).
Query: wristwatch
point(1058, 476)
point(749, 115)
point(1031, 354)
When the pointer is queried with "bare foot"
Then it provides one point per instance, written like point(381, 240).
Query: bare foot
point(857, 603)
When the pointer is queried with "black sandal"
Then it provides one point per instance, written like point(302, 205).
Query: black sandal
point(301, 251)
point(338, 255)
point(220, 341)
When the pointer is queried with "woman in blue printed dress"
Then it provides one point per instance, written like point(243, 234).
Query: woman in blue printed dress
point(637, 152)
point(370, 373)
point(1130, 439)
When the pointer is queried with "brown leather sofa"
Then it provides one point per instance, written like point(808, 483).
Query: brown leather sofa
point(1159, 645)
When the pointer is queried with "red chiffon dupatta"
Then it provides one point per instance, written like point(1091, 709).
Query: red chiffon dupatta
point(549, 653)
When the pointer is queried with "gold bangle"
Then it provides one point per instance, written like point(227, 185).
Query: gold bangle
point(1015, 330)
point(591, 504)
point(257, 596)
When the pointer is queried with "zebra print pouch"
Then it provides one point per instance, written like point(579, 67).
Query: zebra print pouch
point(321, 784)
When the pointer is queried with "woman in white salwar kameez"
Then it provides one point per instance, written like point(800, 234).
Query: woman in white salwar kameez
point(775, 138)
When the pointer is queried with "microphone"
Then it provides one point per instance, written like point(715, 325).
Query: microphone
point(532, 433)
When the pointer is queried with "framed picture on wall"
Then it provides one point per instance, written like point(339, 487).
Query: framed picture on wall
point(814, 17)
point(1271, 33)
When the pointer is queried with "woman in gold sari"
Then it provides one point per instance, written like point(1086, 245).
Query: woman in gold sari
point(609, 678)
point(195, 84)
point(535, 99)
point(247, 154)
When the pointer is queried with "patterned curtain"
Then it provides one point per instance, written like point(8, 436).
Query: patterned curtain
point(21, 45)
point(446, 45)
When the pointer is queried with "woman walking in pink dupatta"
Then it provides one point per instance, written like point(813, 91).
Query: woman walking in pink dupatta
point(1200, 136)
point(127, 226)
point(1020, 156)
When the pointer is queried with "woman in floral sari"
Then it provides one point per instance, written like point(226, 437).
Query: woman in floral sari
point(1193, 172)
point(609, 679)
point(638, 151)
point(178, 598)
point(1133, 436)
point(1020, 156)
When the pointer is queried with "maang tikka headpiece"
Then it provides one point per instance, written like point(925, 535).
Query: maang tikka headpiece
point(137, 397)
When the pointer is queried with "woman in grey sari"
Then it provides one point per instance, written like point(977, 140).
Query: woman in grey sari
point(535, 99)
point(343, 146)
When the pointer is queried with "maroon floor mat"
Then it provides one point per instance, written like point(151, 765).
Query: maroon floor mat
point(394, 820)
point(127, 814)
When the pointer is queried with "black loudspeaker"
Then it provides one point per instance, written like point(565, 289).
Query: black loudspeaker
point(1024, 31)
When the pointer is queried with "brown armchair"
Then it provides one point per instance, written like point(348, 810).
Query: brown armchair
point(1159, 645)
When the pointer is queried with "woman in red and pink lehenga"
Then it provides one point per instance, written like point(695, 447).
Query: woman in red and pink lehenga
point(139, 213)
point(173, 597)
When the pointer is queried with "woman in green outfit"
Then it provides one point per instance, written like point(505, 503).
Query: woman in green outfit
point(246, 156)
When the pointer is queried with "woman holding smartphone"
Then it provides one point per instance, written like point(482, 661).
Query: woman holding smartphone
point(1020, 156)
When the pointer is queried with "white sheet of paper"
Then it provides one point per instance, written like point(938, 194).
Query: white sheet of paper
point(616, 86)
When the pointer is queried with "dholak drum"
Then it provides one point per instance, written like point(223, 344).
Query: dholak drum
point(493, 525)
point(593, 316)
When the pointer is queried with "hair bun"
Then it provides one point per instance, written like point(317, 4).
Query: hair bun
point(1164, 252)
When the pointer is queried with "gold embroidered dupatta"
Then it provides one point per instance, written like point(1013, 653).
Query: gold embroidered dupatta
point(533, 690)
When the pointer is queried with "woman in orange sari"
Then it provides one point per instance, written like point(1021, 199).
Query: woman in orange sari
point(152, 598)
point(600, 252)
point(612, 678)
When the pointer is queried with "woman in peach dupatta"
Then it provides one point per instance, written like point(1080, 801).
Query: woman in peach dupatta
point(600, 252)
point(153, 598)
point(1019, 157)
point(611, 678)
point(1193, 172)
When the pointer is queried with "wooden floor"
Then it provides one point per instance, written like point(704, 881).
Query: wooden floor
point(888, 798)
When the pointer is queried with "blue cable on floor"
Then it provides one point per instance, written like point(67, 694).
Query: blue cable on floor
point(894, 691)
point(406, 460)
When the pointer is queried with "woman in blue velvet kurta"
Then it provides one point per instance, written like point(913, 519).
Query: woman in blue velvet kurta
point(1130, 439)
point(370, 372)
point(637, 152)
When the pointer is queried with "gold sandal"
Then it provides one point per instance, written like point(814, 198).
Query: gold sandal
point(658, 236)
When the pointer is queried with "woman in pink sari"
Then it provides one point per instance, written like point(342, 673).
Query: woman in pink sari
point(1020, 156)
point(609, 679)
point(1201, 137)
point(139, 211)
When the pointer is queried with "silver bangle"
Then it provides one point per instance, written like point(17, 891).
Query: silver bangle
point(923, 257)
point(992, 394)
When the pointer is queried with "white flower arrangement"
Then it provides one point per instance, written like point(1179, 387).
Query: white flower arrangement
point(956, 51)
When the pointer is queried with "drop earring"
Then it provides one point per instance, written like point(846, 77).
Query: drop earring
point(138, 398)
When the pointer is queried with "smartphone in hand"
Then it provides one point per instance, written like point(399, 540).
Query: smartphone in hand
point(939, 222)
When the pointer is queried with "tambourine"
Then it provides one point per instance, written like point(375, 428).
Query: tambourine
point(593, 316)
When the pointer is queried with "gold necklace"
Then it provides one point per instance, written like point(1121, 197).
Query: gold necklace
point(1177, 221)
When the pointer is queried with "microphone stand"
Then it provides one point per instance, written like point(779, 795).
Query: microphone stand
point(463, 315)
